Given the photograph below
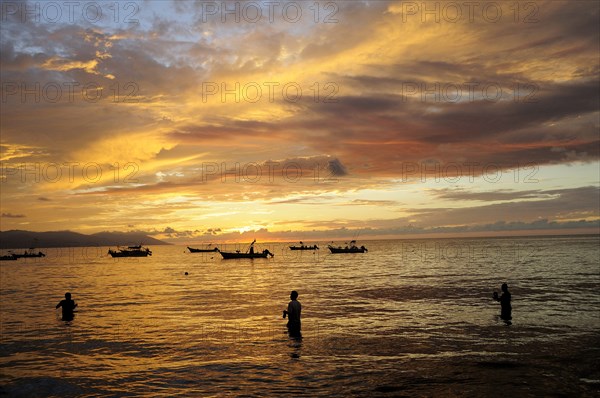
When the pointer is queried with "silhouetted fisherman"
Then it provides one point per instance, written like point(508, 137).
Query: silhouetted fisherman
point(68, 306)
point(293, 314)
point(506, 308)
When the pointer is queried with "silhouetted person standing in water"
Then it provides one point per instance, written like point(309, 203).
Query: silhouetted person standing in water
point(506, 308)
point(68, 306)
point(293, 314)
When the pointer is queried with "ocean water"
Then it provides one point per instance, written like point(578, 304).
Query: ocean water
point(409, 318)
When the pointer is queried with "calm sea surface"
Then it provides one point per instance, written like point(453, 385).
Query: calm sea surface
point(408, 318)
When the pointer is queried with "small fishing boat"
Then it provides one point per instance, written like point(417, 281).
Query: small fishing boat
point(348, 249)
point(8, 257)
point(130, 251)
point(192, 250)
point(303, 247)
point(29, 253)
point(231, 255)
point(248, 254)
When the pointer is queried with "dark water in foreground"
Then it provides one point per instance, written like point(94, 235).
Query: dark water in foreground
point(408, 318)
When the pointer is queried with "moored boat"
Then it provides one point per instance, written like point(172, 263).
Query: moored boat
point(248, 254)
point(304, 247)
point(232, 255)
point(130, 251)
point(348, 249)
point(192, 250)
point(29, 254)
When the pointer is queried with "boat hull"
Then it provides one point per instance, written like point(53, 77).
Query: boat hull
point(130, 254)
point(338, 250)
point(8, 258)
point(192, 250)
point(304, 248)
point(229, 256)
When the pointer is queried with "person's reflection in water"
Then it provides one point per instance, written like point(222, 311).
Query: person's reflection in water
point(293, 314)
point(68, 306)
point(296, 348)
point(506, 308)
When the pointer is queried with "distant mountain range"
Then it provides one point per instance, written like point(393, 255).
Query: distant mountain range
point(16, 239)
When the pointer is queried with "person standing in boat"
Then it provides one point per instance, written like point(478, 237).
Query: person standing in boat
point(293, 312)
point(505, 306)
point(68, 306)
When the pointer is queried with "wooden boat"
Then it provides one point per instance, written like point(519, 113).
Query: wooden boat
point(348, 249)
point(131, 251)
point(248, 254)
point(233, 255)
point(192, 250)
point(303, 247)
point(29, 253)
point(8, 257)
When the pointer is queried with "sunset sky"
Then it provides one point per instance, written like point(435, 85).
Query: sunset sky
point(208, 121)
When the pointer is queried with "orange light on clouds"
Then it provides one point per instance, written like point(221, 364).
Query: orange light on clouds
point(384, 118)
